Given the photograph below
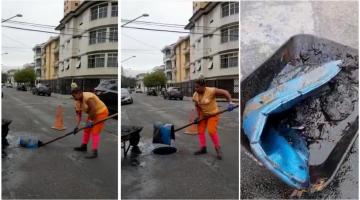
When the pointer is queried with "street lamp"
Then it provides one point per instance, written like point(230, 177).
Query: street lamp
point(126, 59)
point(18, 15)
point(143, 15)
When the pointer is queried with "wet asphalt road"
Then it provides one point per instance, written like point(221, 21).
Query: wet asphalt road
point(54, 171)
point(180, 175)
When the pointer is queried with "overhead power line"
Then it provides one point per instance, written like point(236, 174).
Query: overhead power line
point(166, 24)
point(135, 22)
point(174, 31)
point(43, 25)
point(17, 41)
point(52, 32)
point(141, 42)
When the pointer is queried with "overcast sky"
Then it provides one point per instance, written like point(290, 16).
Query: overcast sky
point(146, 45)
point(18, 43)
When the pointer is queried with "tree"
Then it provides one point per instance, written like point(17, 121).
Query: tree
point(155, 79)
point(4, 77)
point(128, 82)
point(25, 76)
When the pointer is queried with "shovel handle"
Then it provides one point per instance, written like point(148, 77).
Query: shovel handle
point(82, 128)
point(207, 117)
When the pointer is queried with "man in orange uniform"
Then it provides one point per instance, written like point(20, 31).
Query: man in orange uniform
point(91, 104)
point(205, 103)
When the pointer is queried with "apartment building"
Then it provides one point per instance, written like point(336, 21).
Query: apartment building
point(88, 51)
point(181, 60)
point(214, 44)
point(168, 57)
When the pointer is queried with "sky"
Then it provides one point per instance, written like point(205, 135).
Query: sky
point(18, 44)
point(147, 45)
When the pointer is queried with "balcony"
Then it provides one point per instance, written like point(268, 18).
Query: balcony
point(187, 65)
point(168, 68)
point(56, 49)
point(172, 56)
point(186, 50)
point(167, 57)
point(37, 56)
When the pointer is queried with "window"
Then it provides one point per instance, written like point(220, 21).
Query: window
point(92, 38)
point(229, 60)
point(224, 35)
point(103, 11)
point(234, 33)
point(225, 9)
point(67, 64)
point(96, 60)
point(112, 60)
point(113, 37)
point(234, 8)
point(76, 4)
point(97, 36)
point(199, 66)
point(229, 8)
point(99, 11)
point(101, 35)
point(114, 10)
point(78, 63)
point(230, 34)
point(211, 65)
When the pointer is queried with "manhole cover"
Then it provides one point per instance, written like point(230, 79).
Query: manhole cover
point(164, 150)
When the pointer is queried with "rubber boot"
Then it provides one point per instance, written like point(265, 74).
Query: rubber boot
point(83, 147)
point(93, 155)
point(136, 150)
point(201, 151)
point(218, 153)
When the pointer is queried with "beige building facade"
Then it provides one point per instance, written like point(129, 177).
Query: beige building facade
point(181, 60)
point(50, 59)
point(70, 5)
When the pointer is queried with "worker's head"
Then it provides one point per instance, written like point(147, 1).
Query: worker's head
point(200, 86)
point(76, 93)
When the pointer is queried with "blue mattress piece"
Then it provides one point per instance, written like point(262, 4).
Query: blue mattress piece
point(284, 151)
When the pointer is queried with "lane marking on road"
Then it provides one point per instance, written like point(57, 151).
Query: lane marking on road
point(36, 121)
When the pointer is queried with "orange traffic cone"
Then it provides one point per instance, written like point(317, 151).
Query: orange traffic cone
point(191, 130)
point(59, 119)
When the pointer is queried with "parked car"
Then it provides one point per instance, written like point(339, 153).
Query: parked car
point(138, 90)
point(21, 87)
point(107, 91)
point(126, 97)
point(41, 89)
point(2, 84)
point(173, 93)
point(151, 92)
point(9, 85)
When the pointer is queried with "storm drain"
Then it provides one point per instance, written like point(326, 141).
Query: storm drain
point(164, 150)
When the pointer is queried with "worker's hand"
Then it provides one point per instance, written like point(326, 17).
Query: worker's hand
point(196, 120)
point(230, 106)
point(89, 124)
point(76, 129)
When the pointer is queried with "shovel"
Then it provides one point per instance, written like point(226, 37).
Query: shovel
point(164, 132)
point(37, 143)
